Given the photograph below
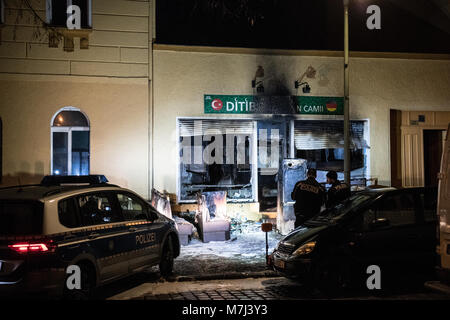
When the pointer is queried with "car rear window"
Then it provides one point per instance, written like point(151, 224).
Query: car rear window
point(21, 217)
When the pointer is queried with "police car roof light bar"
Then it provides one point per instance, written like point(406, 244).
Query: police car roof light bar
point(74, 180)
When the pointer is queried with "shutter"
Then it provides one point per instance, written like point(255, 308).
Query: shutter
point(195, 127)
point(313, 135)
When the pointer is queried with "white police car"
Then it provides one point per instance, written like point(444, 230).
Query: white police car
point(105, 231)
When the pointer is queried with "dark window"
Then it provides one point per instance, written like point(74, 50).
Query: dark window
point(132, 207)
point(399, 209)
point(84, 8)
point(96, 209)
point(429, 200)
point(80, 153)
point(60, 153)
point(67, 213)
point(2, 12)
point(71, 143)
point(21, 218)
point(57, 11)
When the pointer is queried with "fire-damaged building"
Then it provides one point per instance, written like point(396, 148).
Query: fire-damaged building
point(112, 99)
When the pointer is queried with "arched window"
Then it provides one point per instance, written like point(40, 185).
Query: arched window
point(70, 142)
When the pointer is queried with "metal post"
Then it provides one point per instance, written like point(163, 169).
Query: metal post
point(347, 164)
point(267, 227)
point(267, 248)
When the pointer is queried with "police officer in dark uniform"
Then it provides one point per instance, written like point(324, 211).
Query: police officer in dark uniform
point(309, 195)
point(338, 191)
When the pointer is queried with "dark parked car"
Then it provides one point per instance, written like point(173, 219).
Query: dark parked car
point(104, 231)
point(394, 229)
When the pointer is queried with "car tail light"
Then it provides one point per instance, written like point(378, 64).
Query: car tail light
point(31, 247)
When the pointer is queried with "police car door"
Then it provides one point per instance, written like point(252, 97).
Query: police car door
point(105, 232)
point(142, 234)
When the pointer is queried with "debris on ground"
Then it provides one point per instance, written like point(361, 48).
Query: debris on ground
point(244, 252)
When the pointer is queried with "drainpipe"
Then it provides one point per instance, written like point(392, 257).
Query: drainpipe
point(151, 17)
point(346, 99)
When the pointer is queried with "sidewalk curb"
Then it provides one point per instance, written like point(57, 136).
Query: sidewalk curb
point(226, 276)
point(437, 286)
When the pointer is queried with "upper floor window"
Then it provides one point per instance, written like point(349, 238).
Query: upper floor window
point(57, 12)
point(70, 143)
point(2, 12)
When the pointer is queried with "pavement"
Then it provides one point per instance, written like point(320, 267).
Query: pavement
point(225, 276)
point(261, 288)
point(437, 286)
point(225, 289)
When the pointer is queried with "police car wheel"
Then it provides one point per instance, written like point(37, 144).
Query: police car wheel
point(87, 285)
point(166, 263)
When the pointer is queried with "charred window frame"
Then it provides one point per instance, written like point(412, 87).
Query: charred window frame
point(57, 12)
point(240, 181)
point(321, 143)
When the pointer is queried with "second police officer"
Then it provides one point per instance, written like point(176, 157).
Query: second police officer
point(338, 191)
point(309, 196)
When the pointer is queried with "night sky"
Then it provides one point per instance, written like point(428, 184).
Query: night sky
point(407, 25)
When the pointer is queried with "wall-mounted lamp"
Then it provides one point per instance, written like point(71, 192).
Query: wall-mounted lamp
point(258, 80)
point(309, 73)
point(305, 86)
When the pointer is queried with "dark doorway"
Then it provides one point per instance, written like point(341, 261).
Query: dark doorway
point(396, 151)
point(432, 149)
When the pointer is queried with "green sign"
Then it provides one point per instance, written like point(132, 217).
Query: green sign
point(320, 105)
point(230, 104)
point(243, 104)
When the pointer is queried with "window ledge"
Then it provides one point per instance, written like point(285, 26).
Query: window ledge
point(73, 32)
point(56, 33)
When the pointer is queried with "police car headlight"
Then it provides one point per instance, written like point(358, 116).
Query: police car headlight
point(305, 249)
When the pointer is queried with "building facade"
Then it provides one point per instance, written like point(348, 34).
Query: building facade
point(109, 82)
point(109, 100)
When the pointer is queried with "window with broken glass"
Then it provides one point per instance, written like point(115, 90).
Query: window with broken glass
point(217, 155)
point(322, 144)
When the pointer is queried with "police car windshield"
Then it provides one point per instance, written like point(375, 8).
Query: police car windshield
point(338, 212)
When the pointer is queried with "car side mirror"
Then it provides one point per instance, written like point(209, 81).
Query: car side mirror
point(379, 223)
